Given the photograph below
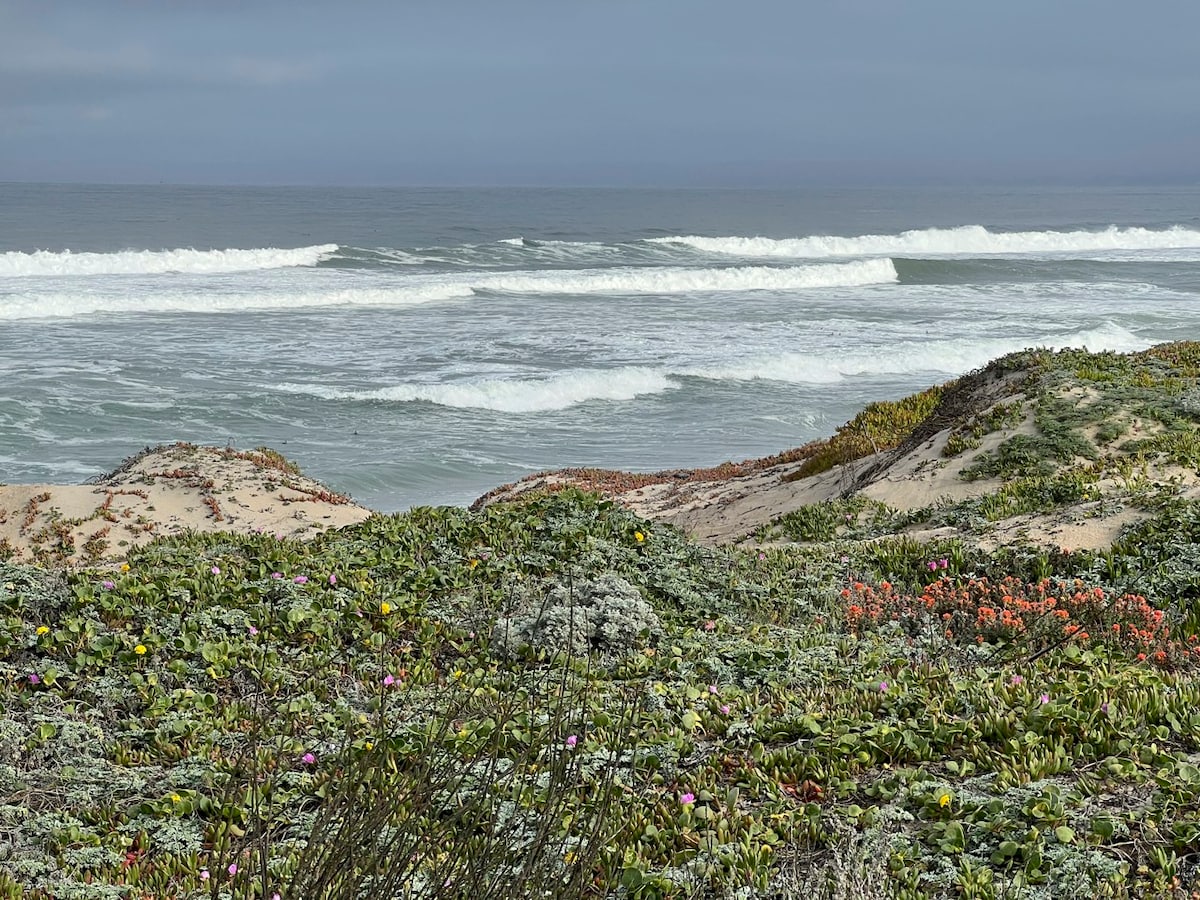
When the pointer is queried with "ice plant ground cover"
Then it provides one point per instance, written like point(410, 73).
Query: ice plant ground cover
point(779, 734)
point(559, 698)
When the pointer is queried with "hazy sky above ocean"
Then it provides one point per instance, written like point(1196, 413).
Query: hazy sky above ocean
point(667, 92)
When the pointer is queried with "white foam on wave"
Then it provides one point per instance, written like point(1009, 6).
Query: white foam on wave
point(513, 395)
point(41, 263)
point(951, 357)
point(966, 240)
point(428, 288)
point(677, 280)
point(570, 388)
point(53, 306)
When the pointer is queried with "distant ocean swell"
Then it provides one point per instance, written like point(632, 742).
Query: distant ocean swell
point(962, 241)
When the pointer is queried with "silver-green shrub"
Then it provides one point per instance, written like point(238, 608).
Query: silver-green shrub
point(605, 615)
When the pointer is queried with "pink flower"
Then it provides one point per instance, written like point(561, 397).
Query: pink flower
point(712, 689)
point(572, 740)
point(725, 709)
point(687, 799)
point(308, 759)
point(300, 579)
point(35, 678)
point(204, 874)
point(943, 563)
point(107, 585)
point(232, 869)
point(275, 896)
point(1016, 679)
point(710, 625)
point(932, 565)
point(762, 556)
point(253, 631)
point(883, 686)
point(216, 570)
point(276, 574)
point(332, 579)
point(1045, 698)
point(388, 680)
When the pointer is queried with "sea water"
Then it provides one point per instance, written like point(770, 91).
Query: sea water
point(416, 346)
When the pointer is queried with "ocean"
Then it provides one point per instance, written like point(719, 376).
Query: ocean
point(420, 346)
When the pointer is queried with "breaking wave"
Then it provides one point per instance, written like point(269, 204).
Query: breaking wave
point(673, 280)
point(16, 264)
point(570, 388)
point(950, 357)
point(53, 306)
point(512, 395)
point(968, 239)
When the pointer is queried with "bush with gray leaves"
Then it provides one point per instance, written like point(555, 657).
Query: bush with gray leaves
point(605, 615)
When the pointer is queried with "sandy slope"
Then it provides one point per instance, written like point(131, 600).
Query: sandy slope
point(165, 491)
point(727, 504)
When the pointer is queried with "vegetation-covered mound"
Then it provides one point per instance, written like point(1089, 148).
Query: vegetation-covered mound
point(561, 699)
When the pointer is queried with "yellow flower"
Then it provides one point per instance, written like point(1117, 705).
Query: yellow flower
point(944, 800)
point(474, 563)
point(385, 607)
point(175, 798)
point(43, 630)
point(638, 536)
point(139, 649)
point(456, 674)
point(370, 746)
point(124, 567)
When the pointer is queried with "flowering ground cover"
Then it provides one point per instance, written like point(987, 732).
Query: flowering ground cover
point(557, 698)
point(242, 716)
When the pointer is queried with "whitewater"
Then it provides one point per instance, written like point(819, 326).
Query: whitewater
point(421, 347)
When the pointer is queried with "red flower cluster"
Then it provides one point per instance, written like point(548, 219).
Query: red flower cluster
point(1046, 612)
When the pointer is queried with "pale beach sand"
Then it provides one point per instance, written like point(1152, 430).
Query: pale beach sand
point(164, 491)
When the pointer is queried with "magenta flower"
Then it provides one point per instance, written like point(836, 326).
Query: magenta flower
point(883, 686)
point(232, 868)
point(943, 563)
point(35, 678)
point(308, 759)
point(253, 631)
point(388, 680)
point(725, 709)
point(1104, 707)
point(332, 579)
point(107, 585)
point(1045, 698)
point(300, 579)
point(932, 565)
point(216, 570)
point(276, 574)
point(572, 740)
point(687, 799)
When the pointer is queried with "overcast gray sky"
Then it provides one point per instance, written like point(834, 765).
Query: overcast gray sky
point(741, 92)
